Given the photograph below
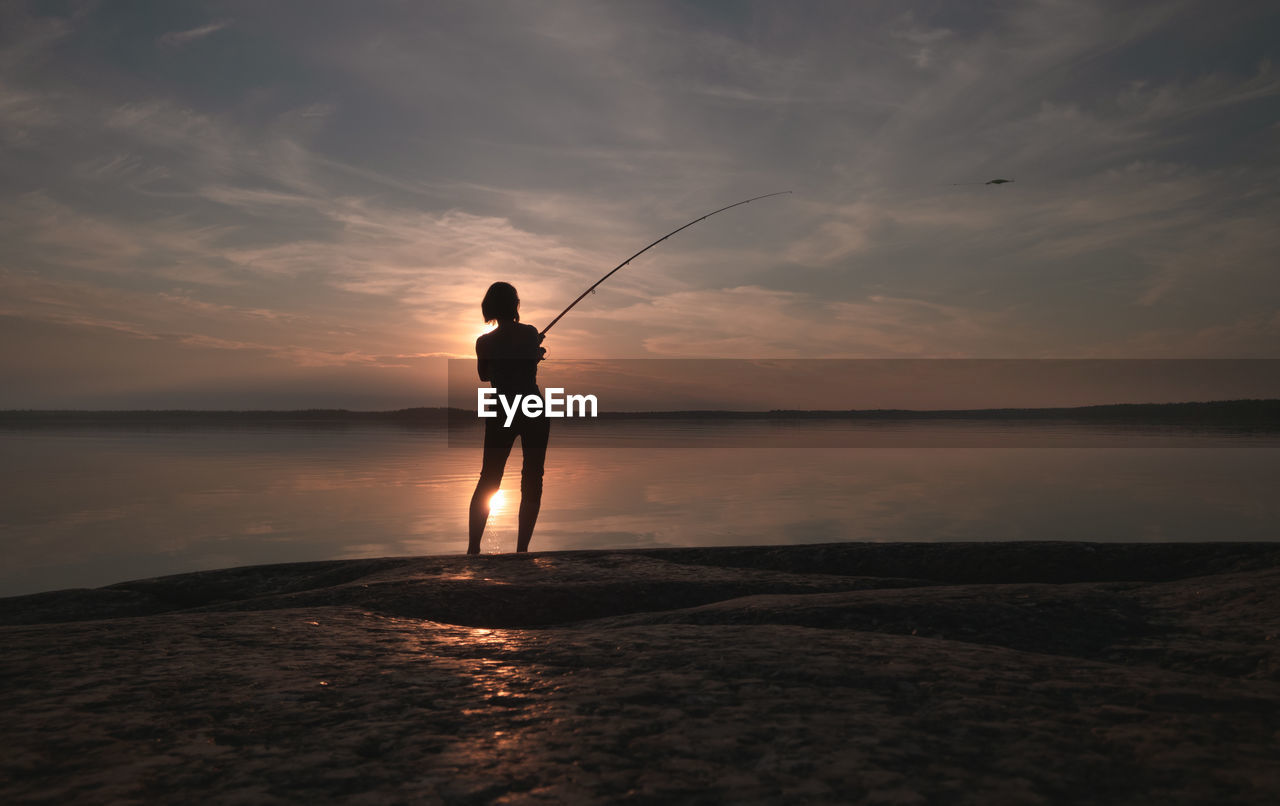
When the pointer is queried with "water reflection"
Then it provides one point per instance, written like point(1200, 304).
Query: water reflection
point(89, 508)
point(481, 651)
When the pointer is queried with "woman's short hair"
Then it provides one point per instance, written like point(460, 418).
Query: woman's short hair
point(500, 302)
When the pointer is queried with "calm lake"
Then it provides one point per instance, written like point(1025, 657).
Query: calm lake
point(89, 506)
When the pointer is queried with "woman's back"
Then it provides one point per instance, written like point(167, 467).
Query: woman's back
point(508, 358)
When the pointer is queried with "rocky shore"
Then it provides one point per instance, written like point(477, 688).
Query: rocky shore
point(866, 673)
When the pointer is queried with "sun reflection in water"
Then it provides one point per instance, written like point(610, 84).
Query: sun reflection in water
point(498, 523)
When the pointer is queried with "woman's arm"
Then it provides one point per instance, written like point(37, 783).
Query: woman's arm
point(536, 338)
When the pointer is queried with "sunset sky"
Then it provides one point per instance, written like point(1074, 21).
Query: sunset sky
point(285, 205)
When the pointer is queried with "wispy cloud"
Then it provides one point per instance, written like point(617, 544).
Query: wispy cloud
point(764, 323)
point(176, 39)
point(923, 40)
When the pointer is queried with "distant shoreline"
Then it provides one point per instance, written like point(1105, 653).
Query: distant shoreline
point(1264, 413)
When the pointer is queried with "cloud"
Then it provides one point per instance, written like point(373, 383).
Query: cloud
point(1248, 337)
point(923, 40)
point(22, 116)
point(176, 39)
point(750, 321)
point(351, 191)
point(1212, 92)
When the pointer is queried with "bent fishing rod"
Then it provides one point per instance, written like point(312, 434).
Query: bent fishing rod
point(647, 248)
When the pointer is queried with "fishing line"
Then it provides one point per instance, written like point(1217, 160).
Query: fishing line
point(650, 246)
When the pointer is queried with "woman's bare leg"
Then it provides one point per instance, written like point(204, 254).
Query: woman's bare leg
point(479, 513)
point(533, 444)
point(497, 447)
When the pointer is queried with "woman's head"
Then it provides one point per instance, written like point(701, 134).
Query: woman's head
point(500, 303)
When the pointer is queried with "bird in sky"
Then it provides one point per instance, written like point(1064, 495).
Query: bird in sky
point(990, 182)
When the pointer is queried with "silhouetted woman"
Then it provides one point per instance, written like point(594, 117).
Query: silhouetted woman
point(508, 358)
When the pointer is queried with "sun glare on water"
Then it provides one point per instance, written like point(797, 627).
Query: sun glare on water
point(492, 543)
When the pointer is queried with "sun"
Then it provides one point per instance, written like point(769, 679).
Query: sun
point(495, 501)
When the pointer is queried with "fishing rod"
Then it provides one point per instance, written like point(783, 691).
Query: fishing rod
point(646, 249)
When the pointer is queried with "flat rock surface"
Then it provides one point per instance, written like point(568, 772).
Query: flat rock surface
point(864, 673)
